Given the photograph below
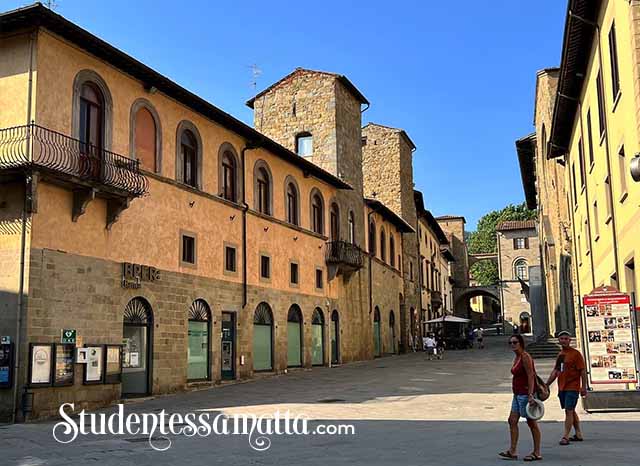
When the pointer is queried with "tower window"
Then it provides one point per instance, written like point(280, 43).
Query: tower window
point(304, 144)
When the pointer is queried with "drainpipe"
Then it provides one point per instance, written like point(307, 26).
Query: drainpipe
point(420, 280)
point(250, 145)
point(23, 240)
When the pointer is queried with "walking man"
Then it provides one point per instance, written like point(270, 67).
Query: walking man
point(480, 338)
point(572, 381)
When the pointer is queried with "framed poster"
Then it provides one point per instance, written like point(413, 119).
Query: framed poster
point(113, 364)
point(64, 364)
point(40, 357)
point(94, 369)
point(609, 339)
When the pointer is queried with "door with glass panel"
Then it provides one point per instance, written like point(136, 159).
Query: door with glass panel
point(317, 338)
point(136, 348)
point(377, 343)
point(263, 338)
point(294, 337)
point(227, 351)
point(335, 337)
point(198, 334)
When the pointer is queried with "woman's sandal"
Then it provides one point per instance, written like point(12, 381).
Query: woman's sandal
point(564, 441)
point(507, 455)
point(532, 457)
point(575, 438)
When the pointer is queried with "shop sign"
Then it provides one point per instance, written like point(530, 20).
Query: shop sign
point(610, 340)
point(134, 274)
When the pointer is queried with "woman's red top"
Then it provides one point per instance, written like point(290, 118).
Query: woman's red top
point(520, 382)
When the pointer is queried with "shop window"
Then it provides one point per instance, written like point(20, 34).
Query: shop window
point(198, 350)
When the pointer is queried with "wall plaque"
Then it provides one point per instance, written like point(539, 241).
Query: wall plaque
point(134, 274)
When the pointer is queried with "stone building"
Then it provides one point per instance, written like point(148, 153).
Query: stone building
point(453, 227)
point(179, 246)
point(544, 185)
point(518, 252)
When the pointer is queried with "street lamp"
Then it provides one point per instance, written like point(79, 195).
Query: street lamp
point(635, 167)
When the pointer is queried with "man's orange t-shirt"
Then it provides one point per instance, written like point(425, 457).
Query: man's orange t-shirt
point(569, 364)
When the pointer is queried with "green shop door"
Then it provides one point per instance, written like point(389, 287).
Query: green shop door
point(317, 338)
point(227, 351)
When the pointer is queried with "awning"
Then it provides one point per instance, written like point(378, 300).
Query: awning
point(457, 320)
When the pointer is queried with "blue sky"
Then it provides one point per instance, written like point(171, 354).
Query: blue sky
point(458, 76)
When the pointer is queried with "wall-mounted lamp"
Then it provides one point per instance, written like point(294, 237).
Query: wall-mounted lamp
point(151, 89)
point(295, 238)
point(266, 228)
point(192, 203)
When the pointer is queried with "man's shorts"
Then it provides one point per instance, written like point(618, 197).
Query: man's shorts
point(519, 405)
point(568, 399)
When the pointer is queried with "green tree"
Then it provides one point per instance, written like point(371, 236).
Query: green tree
point(483, 240)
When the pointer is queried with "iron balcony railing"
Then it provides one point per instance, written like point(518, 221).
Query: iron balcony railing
point(35, 146)
point(343, 252)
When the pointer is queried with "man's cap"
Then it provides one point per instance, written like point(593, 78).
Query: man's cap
point(563, 333)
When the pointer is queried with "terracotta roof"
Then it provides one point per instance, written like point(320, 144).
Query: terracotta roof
point(516, 225)
point(343, 79)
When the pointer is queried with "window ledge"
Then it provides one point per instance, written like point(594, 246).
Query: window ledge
point(230, 273)
point(616, 100)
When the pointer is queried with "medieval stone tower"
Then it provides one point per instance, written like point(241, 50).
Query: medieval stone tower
point(388, 177)
point(318, 115)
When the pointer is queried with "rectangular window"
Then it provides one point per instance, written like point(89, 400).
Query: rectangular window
point(230, 259)
point(607, 193)
point(319, 279)
point(305, 145)
point(293, 273)
point(613, 55)
point(411, 271)
point(579, 248)
point(596, 221)
point(600, 92)
point(623, 174)
point(574, 185)
point(519, 243)
point(587, 237)
point(583, 176)
point(265, 267)
point(590, 136)
point(188, 249)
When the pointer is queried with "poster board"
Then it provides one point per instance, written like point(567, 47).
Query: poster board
point(40, 364)
point(94, 369)
point(609, 337)
point(64, 364)
point(113, 364)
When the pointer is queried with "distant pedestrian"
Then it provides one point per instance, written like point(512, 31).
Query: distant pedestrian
point(523, 386)
point(430, 346)
point(470, 337)
point(480, 338)
point(440, 346)
point(570, 370)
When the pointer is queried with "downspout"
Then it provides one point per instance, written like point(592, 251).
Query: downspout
point(23, 239)
point(420, 280)
point(250, 145)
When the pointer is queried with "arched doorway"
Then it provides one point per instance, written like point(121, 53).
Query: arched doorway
point(198, 367)
point(377, 342)
point(317, 338)
point(335, 337)
point(294, 336)
point(137, 349)
point(392, 332)
point(263, 338)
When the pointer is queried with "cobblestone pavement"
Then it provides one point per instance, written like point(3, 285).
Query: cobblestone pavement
point(405, 410)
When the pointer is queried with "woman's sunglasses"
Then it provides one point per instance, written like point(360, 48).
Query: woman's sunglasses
point(514, 342)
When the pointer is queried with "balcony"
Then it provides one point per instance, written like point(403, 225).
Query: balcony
point(344, 256)
point(88, 170)
point(436, 299)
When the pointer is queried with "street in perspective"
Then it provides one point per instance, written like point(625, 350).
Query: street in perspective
point(257, 234)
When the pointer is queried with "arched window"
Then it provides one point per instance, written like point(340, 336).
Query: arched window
point(189, 155)
point(521, 269)
point(372, 238)
point(304, 144)
point(317, 337)
point(317, 212)
point(199, 331)
point(383, 246)
point(294, 336)
point(292, 201)
point(352, 228)
point(145, 139)
point(136, 353)
point(92, 114)
point(263, 338)
point(262, 185)
point(335, 222)
point(91, 118)
point(392, 251)
point(229, 177)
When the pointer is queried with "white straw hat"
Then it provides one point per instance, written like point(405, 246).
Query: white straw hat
point(535, 412)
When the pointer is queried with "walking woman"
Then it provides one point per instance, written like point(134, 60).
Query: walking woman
point(523, 385)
